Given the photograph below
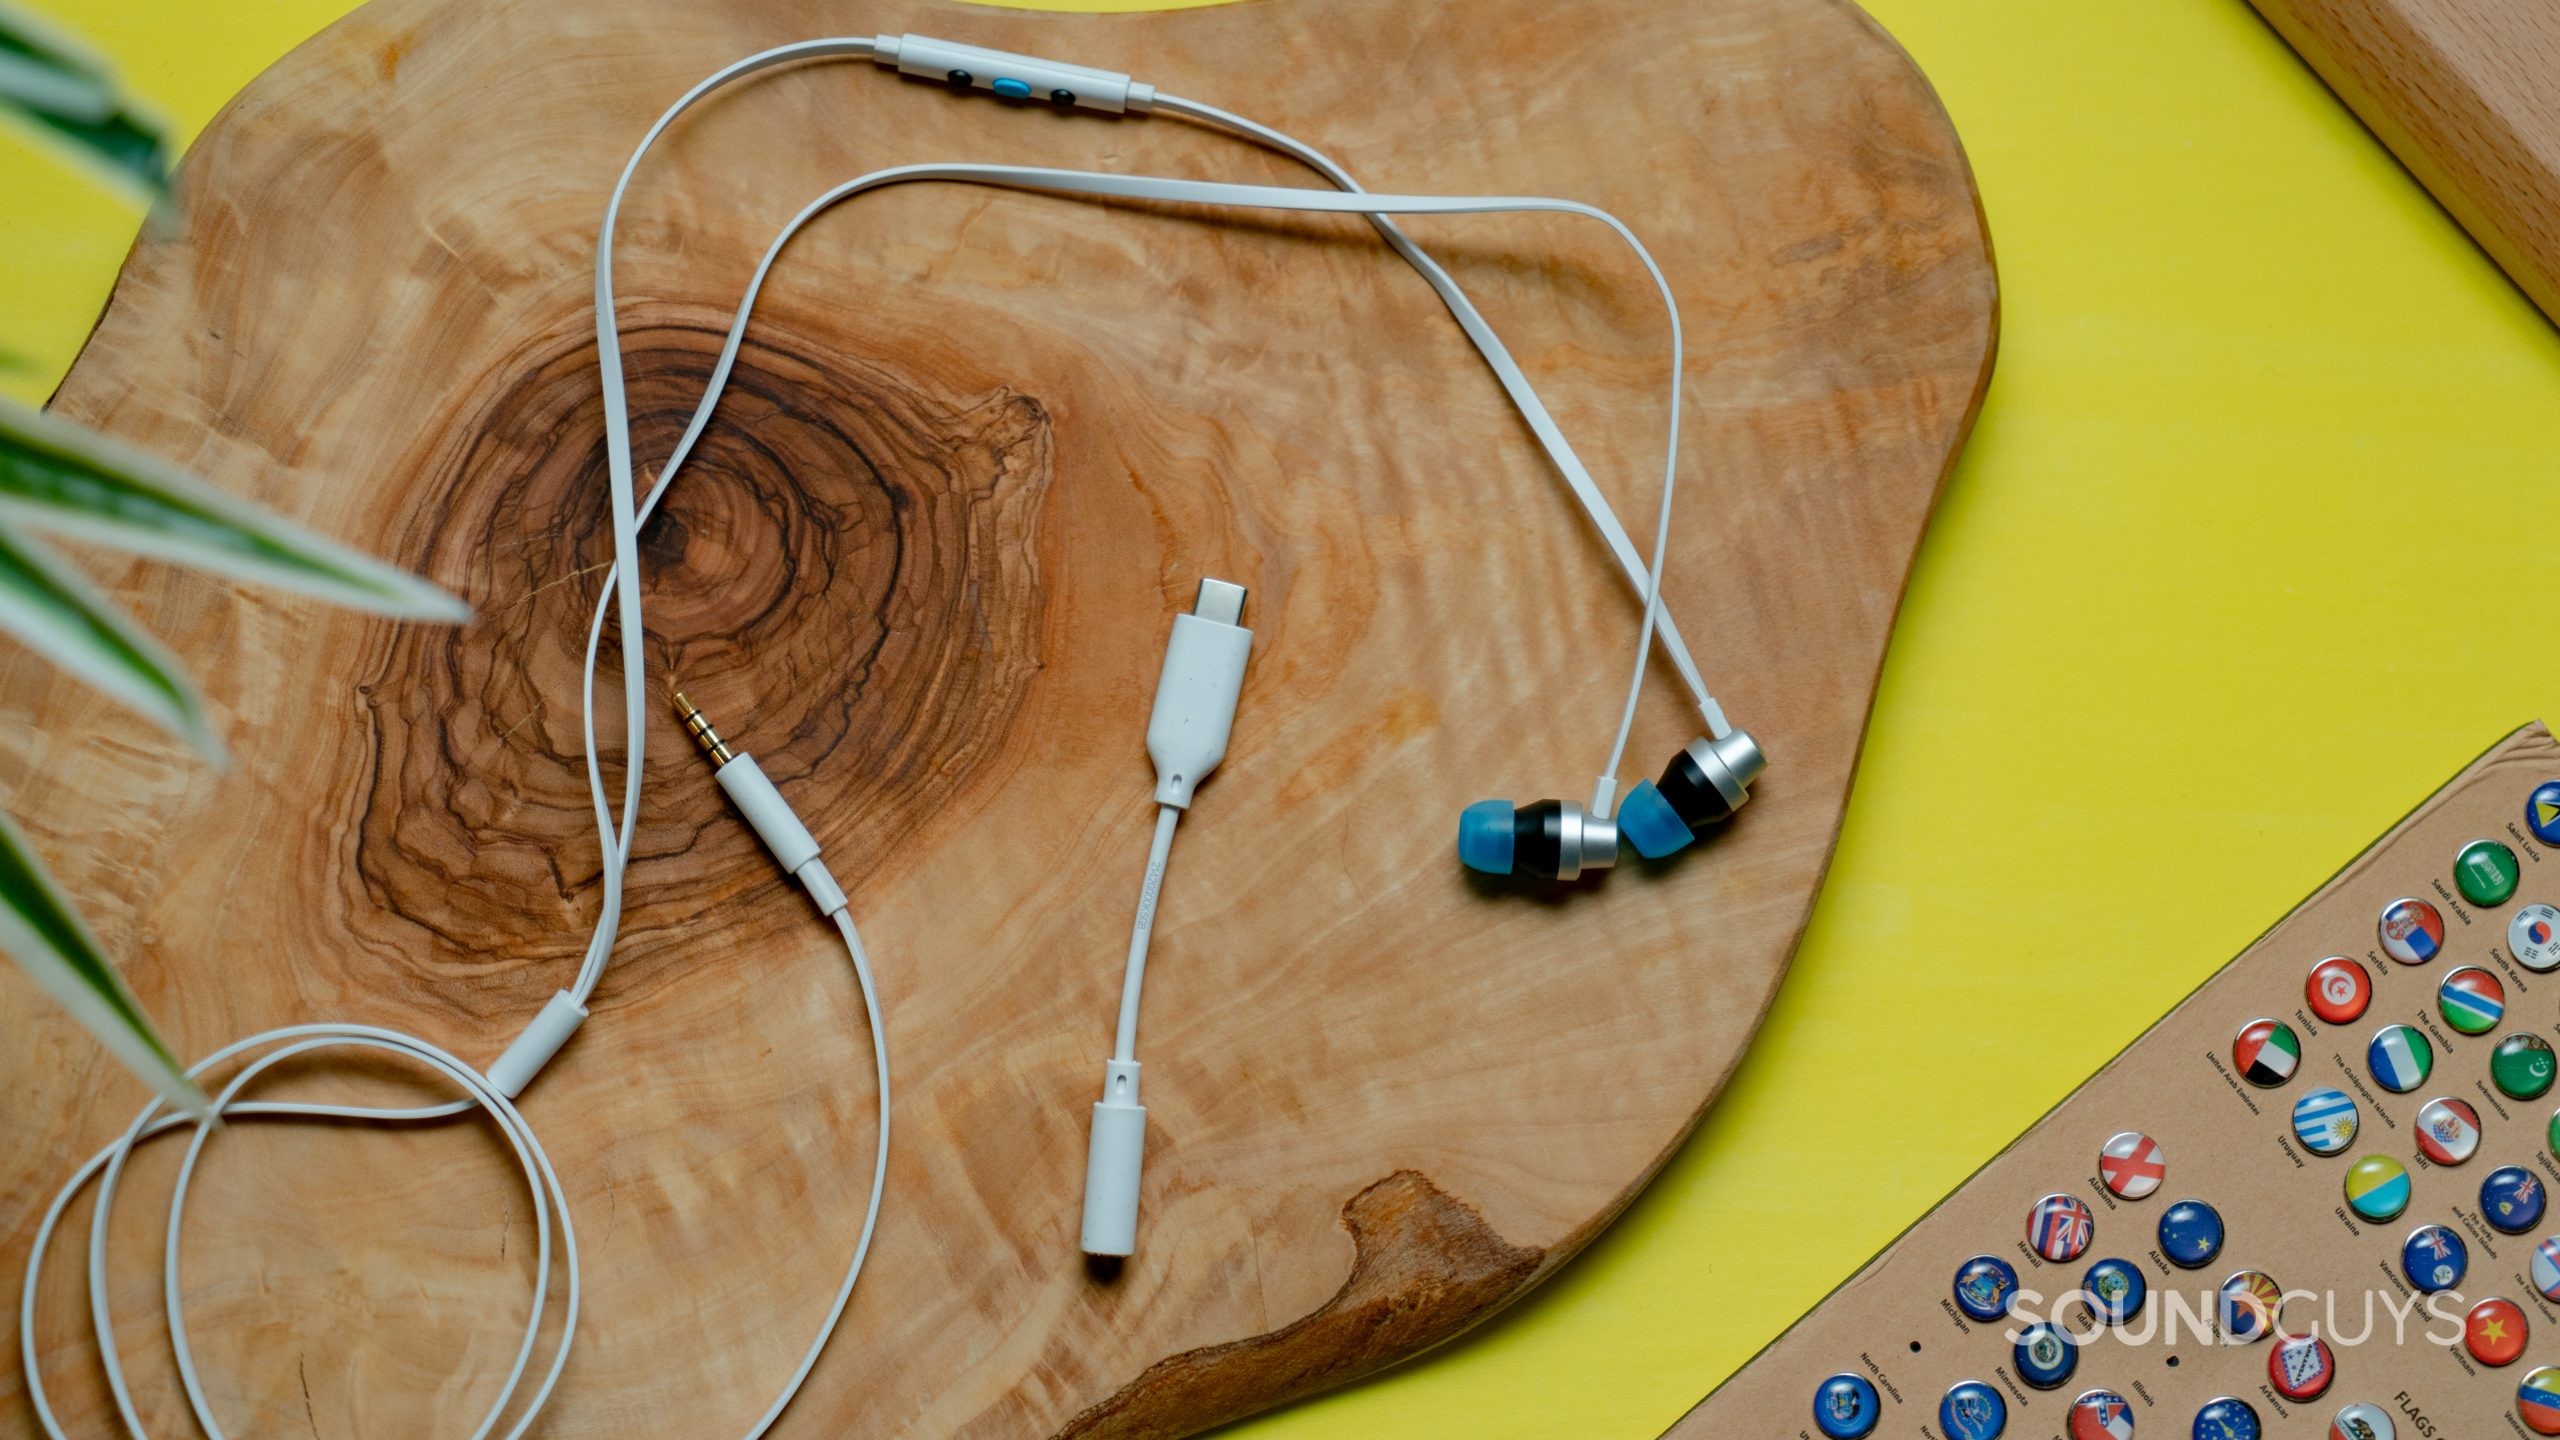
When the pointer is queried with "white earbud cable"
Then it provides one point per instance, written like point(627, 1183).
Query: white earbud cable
point(621, 598)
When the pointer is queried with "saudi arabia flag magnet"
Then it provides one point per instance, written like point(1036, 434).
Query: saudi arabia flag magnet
point(2266, 1052)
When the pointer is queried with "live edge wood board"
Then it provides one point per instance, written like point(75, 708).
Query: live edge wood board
point(979, 450)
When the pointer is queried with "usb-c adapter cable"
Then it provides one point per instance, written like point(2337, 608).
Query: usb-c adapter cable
point(1186, 738)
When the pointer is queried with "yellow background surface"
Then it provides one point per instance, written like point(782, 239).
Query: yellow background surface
point(2257, 542)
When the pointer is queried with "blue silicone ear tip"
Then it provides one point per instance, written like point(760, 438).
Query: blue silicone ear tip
point(1650, 824)
point(1484, 836)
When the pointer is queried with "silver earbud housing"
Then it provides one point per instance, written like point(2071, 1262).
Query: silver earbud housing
point(1730, 764)
point(1584, 842)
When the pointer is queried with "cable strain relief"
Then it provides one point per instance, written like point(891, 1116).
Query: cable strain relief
point(815, 878)
point(558, 1019)
point(1115, 1161)
point(1604, 796)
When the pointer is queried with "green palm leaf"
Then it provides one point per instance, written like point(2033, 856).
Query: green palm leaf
point(56, 476)
point(47, 604)
point(49, 941)
point(68, 100)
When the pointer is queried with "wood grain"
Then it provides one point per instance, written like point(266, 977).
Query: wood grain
point(979, 450)
point(2467, 94)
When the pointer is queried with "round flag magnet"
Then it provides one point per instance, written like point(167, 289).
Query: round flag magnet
point(2338, 989)
point(2101, 1415)
point(2494, 1332)
point(2542, 812)
point(2485, 872)
point(2521, 1066)
point(2538, 1401)
point(2545, 1268)
point(2363, 1422)
point(1972, 1410)
point(2325, 1121)
point(2400, 1058)
point(1846, 1408)
point(2114, 1289)
point(2434, 1258)
point(2131, 1165)
point(2411, 931)
point(2266, 1052)
point(2301, 1367)
point(2060, 1227)
point(2533, 937)
point(2226, 1419)
point(2378, 1187)
point(1984, 1286)
point(2250, 1302)
point(2190, 1234)
point(2471, 1000)
point(2511, 1199)
point(2448, 1130)
point(2044, 1356)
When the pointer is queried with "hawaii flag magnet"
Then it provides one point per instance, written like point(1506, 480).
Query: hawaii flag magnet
point(2059, 1227)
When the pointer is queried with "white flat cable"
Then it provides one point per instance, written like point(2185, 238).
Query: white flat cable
point(551, 1027)
point(622, 593)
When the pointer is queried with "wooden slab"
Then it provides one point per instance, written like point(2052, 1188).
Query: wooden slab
point(2467, 94)
point(2232, 1144)
point(980, 450)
